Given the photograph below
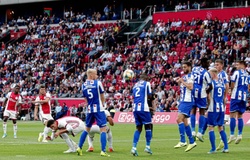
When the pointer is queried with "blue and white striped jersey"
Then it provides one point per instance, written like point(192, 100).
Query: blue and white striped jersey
point(241, 82)
point(141, 90)
point(186, 94)
point(92, 90)
point(223, 75)
point(202, 79)
point(216, 96)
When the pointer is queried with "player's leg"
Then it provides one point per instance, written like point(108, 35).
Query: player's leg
point(101, 121)
point(181, 127)
point(202, 119)
point(6, 115)
point(110, 139)
point(212, 117)
point(94, 129)
point(14, 128)
point(205, 125)
point(69, 142)
point(233, 114)
point(193, 119)
point(89, 121)
point(148, 135)
point(240, 128)
point(223, 136)
point(137, 132)
point(221, 144)
point(192, 143)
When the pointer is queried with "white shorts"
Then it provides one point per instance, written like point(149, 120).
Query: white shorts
point(95, 129)
point(227, 117)
point(45, 117)
point(10, 114)
point(78, 129)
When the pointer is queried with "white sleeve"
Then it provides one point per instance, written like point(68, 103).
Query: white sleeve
point(234, 76)
point(190, 79)
point(8, 95)
point(19, 99)
point(149, 88)
point(107, 113)
point(37, 99)
point(208, 78)
point(48, 95)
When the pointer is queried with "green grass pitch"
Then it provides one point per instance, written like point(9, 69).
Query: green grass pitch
point(26, 147)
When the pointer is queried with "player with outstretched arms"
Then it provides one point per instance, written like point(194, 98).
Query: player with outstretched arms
point(186, 103)
point(95, 129)
point(216, 109)
point(42, 104)
point(202, 86)
point(240, 86)
point(65, 126)
point(141, 111)
point(11, 104)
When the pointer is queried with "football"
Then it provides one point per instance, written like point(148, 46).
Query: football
point(128, 74)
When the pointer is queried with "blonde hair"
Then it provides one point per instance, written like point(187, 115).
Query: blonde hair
point(214, 70)
point(90, 71)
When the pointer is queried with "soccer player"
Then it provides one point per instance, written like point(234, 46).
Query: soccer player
point(202, 86)
point(185, 106)
point(68, 125)
point(215, 116)
point(240, 86)
point(227, 117)
point(11, 104)
point(219, 64)
point(93, 92)
point(42, 104)
point(95, 129)
point(141, 93)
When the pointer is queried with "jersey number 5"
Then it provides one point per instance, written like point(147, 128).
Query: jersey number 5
point(90, 94)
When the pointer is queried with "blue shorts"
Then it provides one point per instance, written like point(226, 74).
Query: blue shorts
point(200, 102)
point(238, 106)
point(215, 118)
point(185, 108)
point(99, 117)
point(142, 117)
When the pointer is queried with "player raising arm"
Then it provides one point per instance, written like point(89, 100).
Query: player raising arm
point(11, 104)
point(185, 106)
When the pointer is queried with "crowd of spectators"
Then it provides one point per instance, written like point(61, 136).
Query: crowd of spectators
point(59, 57)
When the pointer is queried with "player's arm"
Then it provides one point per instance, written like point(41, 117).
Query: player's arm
point(4, 103)
point(208, 99)
point(36, 111)
point(209, 82)
point(110, 120)
point(42, 101)
point(226, 91)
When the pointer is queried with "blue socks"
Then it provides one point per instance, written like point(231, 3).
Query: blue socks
point(182, 132)
point(223, 137)
point(189, 134)
point(240, 126)
point(212, 140)
point(204, 126)
point(82, 139)
point(232, 125)
point(201, 123)
point(192, 121)
point(148, 137)
point(136, 138)
point(103, 139)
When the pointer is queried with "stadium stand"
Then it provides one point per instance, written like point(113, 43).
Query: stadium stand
point(58, 55)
